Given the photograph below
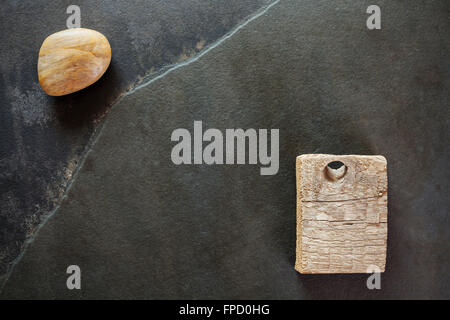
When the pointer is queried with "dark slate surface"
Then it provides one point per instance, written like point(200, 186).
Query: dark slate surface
point(42, 138)
point(141, 227)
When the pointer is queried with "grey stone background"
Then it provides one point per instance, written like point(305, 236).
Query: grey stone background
point(141, 227)
point(43, 138)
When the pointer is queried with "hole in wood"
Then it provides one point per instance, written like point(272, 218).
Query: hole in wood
point(336, 170)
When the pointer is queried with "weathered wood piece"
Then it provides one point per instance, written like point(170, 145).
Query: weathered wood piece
point(341, 213)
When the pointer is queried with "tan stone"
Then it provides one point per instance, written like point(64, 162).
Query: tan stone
point(341, 213)
point(72, 60)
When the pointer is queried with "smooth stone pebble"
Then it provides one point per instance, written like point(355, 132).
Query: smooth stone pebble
point(72, 60)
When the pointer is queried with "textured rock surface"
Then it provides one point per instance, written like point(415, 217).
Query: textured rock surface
point(42, 137)
point(139, 226)
point(71, 60)
point(341, 224)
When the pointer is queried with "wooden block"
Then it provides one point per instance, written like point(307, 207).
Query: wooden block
point(341, 213)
